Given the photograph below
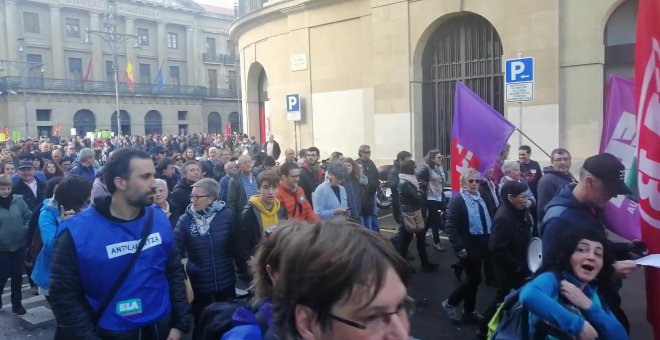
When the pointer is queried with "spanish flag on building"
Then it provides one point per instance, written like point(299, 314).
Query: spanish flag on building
point(130, 83)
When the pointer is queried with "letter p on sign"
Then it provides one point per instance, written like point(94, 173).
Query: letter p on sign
point(292, 103)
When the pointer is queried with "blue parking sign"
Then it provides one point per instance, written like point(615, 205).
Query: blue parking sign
point(519, 70)
point(292, 102)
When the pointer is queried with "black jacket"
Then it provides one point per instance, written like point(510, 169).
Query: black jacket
point(210, 257)
point(393, 181)
point(20, 188)
point(181, 194)
point(276, 149)
point(488, 198)
point(509, 239)
point(171, 181)
point(309, 180)
point(458, 226)
point(411, 198)
point(75, 317)
point(356, 196)
point(249, 233)
point(236, 196)
point(532, 175)
point(371, 171)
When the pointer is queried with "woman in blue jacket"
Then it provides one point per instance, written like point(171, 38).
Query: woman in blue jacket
point(566, 298)
point(330, 199)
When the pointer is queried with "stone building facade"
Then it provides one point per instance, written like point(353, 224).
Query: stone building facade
point(382, 72)
point(54, 72)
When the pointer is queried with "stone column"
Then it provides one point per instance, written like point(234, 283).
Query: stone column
point(191, 32)
point(3, 33)
point(11, 18)
point(98, 64)
point(59, 65)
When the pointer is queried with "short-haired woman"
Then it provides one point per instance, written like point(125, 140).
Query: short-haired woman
point(330, 199)
point(412, 200)
point(469, 226)
point(205, 234)
point(14, 218)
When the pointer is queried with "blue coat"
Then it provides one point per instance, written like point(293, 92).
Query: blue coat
point(325, 201)
point(210, 257)
point(49, 220)
point(86, 172)
point(540, 297)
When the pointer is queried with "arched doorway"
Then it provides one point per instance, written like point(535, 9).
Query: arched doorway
point(215, 123)
point(619, 40)
point(464, 48)
point(153, 124)
point(234, 122)
point(84, 121)
point(125, 123)
point(257, 100)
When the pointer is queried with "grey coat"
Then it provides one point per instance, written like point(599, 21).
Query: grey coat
point(13, 224)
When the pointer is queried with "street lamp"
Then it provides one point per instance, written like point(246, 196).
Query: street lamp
point(111, 37)
point(25, 66)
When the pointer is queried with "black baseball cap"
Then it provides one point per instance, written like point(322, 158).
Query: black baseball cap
point(610, 170)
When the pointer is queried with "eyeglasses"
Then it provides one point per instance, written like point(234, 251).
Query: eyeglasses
point(368, 151)
point(381, 320)
point(197, 197)
point(471, 181)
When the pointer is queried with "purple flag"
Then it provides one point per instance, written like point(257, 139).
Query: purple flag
point(478, 132)
point(619, 138)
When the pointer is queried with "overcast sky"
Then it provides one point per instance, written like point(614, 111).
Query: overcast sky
point(220, 3)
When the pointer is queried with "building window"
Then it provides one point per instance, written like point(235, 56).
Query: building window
point(231, 49)
point(109, 70)
point(45, 131)
point(35, 64)
point(43, 115)
point(232, 79)
point(143, 36)
point(31, 22)
point(145, 73)
point(72, 28)
point(75, 68)
point(210, 45)
point(183, 129)
point(175, 78)
point(182, 115)
point(172, 40)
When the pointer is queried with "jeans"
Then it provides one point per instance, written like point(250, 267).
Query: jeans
point(374, 217)
point(11, 266)
point(433, 219)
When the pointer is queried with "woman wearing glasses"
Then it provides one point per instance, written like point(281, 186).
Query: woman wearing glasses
point(204, 238)
point(339, 280)
point(469, 226)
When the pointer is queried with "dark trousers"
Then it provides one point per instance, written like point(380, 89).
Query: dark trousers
point(58, 333)
point(202, 301)
point(433, 219)
point(404, 242)
point(11, 266)
point(467, 291)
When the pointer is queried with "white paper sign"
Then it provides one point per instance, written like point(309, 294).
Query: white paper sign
point(652, 260)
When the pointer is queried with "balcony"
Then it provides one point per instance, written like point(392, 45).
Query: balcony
point(107, 87)
point(248, 6)
point(224, 59)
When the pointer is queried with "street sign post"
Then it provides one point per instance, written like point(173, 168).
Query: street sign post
point(293, 107)
point(519, 79)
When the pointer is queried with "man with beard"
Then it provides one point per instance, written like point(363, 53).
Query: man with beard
point(88, 296)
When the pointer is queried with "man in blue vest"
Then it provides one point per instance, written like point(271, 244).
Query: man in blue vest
point(96, 246)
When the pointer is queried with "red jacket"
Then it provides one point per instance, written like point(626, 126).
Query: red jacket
point(296, 204)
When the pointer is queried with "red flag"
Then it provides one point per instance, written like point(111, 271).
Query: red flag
point(89, 69)
point(228, 131)
point(5, 130)
point(57, 130)
point(647, 92)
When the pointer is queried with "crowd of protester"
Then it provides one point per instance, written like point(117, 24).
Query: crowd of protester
point(201, 211)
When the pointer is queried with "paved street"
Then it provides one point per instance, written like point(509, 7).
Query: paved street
point(428, 289)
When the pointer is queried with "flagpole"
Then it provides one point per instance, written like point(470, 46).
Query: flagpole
point(533, 142)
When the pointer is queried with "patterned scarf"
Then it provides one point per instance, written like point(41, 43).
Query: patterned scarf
point(202, 219)
point(472, 202)
point(410, 178)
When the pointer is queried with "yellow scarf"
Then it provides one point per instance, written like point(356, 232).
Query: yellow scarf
point(268, 217)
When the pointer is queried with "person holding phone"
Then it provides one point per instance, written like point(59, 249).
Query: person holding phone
point(330, 199)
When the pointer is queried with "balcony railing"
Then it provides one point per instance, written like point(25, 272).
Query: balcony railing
point(225, 59)
point(71, 85)
point(247, 6)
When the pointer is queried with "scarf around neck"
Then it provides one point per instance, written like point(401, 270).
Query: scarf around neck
point(472, 202)
point(202, 219)
point(412, 179)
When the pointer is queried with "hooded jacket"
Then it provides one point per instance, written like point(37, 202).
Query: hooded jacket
point(251, 229)
point(296, 204)
point(87, 260)
point(210, 256)
point(548, 186)
point(565, 213)
point(49, 220)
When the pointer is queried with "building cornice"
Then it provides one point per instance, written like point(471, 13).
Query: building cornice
point(273, 10)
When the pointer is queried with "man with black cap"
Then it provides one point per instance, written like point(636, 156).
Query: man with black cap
point(580, 205)
point(35, 161)
point(28, 185)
